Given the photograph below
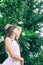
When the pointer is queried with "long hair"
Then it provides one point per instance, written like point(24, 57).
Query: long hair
point(8, 32)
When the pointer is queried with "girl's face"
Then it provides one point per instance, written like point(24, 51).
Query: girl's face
point(16, 32)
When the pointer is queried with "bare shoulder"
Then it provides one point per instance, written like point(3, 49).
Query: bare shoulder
point(7, 39)
point(8, 44)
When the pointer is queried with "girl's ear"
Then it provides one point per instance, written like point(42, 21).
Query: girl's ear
point(20, 30)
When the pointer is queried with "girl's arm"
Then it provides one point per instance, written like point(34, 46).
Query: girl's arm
point(19, 31)
point(10, 50)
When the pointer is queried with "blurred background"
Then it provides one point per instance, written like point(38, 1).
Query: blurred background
point(29, 15)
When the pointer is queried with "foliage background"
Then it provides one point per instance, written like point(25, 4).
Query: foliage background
point(29, 15)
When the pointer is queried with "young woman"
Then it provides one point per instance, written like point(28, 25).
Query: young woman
point(11, 45)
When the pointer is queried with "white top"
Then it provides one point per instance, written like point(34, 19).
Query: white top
point(10, 60)
point(15, 47)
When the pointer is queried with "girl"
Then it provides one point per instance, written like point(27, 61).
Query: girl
point(12, 46)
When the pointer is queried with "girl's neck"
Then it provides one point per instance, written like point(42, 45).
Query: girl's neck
point(12, 37)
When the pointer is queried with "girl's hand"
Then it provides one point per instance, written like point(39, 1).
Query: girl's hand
point(7, 26)
point(22, 62)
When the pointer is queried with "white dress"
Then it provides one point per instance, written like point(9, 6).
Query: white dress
point(10, 60)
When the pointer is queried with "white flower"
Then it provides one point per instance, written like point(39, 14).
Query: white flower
point(41, 47)
point(23, 33)
point(36, 55)
point(37, 32)
point(1, 15)
point(20, 22)
point(31, 55)
point(36, 10)
point(2, 38)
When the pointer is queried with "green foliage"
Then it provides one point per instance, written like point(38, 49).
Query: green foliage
point(13, 11)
